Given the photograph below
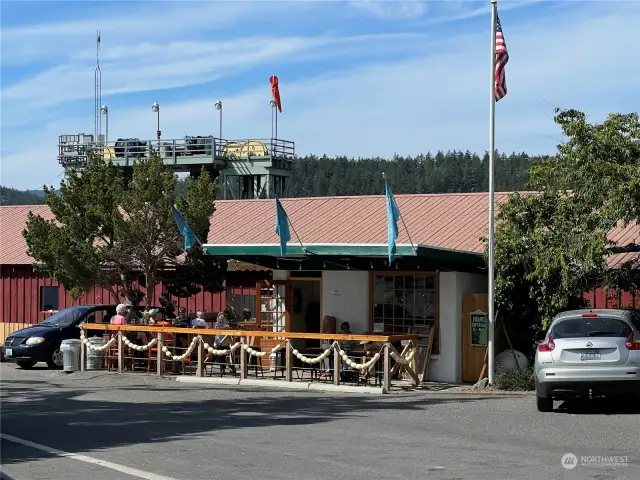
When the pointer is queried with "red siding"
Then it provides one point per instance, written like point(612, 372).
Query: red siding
point(21, 294)
point(612, 299)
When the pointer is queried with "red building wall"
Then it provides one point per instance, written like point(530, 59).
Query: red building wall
point(612, 299)
point(20, 295)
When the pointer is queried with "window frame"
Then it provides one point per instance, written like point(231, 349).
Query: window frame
point(54, 308)
point(435, 350)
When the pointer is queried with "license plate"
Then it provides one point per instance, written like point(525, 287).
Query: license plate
point(590, 355)
point(8, 352)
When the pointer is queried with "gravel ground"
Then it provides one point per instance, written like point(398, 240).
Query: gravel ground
point(181, 431)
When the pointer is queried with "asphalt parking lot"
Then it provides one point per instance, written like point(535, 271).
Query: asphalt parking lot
point(94, 425)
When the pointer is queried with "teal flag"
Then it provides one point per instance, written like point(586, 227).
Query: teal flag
point(282, 228)
point(190, 239)
point(393, 215)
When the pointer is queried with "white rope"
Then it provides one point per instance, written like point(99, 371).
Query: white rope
point(312, 360)
point(358, 366)
point(223, 351)
point(96, 348)
point(403, 360)
point(257, 353)
point(140, 348)
point(189, 351)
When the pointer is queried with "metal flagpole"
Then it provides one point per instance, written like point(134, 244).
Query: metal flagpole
point(492, 148)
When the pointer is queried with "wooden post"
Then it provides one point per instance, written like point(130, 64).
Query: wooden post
point(200, 359)
point(243, 363)
point(160, 353)
point(337, 362)
point(83, 357)
point(120, 353)
point(386, 385)
point(288, 362)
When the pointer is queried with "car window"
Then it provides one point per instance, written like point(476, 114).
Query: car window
point(590, 327)
point(66, 317)
point(101, 315)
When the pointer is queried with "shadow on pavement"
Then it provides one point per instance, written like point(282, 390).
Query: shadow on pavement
point(601, 406)
point(68, 419)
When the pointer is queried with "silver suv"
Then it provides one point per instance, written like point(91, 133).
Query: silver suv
point(588, 351)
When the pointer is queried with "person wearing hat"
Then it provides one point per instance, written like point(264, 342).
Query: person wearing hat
point(246, 315)
point(345, 329)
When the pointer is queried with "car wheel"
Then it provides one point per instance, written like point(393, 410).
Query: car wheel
point(55, 359)
point(544, 404)
point(25, 364)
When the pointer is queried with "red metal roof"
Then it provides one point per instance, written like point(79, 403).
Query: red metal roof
point(453, 221)
point(13, 219)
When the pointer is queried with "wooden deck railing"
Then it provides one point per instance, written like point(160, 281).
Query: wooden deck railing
point(387, 351)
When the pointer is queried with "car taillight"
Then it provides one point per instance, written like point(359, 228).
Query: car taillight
point(548, 346)
point(589, 315)
point(631, 344)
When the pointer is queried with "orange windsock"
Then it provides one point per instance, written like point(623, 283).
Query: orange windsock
point(275, 91)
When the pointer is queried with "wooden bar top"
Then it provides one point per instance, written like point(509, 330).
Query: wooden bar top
point(247, 333)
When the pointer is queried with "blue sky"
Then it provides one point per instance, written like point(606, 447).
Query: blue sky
point(359, 78)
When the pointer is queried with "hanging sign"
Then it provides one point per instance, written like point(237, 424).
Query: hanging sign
point(479, 322)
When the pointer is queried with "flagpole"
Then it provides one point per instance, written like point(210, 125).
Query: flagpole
point(413, 247)
point(492, 148)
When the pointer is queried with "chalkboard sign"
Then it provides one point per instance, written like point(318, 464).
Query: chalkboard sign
point(479, 325)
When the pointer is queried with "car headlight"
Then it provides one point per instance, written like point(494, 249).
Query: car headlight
point(34, 340)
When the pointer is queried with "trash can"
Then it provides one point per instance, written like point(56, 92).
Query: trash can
point(95, 357)
point(71, 355)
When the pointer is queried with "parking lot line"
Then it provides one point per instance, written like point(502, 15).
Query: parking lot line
point(87, 459)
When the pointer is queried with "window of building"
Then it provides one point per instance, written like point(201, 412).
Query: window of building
point(49, 298)
point(401, 301)
point(241, 301)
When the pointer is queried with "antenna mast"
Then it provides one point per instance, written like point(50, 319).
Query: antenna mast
point(98, 93)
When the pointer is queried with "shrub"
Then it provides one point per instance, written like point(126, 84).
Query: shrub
point(516, 380)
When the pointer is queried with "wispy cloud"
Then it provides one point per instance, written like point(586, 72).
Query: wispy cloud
point(147, 67)
point(391, 9)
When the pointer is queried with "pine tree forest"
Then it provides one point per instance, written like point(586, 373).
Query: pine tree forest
point(444, 172)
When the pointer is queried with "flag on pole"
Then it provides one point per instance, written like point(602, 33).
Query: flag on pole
point(275, 91)
point(502, 57)
point(282, 228)
point(393, 215)
point(190, 239)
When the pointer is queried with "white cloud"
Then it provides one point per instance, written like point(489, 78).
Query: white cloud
point(427, 102)
point(146, 67)
point(391, 9)
point(143, 22)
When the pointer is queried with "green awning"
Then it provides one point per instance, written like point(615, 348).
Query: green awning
point(240, 251)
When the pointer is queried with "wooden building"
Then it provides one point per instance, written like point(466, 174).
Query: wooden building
point(29, 296)
point(440, 267)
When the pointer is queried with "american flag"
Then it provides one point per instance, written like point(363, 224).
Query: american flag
point(502, 57)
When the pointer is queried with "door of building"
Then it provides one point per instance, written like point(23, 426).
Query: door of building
point(475, 330)
point(273, 311)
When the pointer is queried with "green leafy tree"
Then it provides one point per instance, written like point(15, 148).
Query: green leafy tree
point(76, 248)
point(119, 237)
point(554, 245)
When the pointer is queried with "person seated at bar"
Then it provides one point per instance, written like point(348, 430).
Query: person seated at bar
point(246, 316)
point(221, 324)
point(347, 345)
point(182, 320)
point(223, 341)
point(120, 317)
point(199, 321)
point(370, 349)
